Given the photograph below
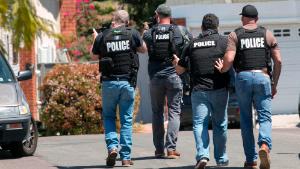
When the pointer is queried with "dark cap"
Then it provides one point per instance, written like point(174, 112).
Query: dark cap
point(163, 10)
point(249, 11)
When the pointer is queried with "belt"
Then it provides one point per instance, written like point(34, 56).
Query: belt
point(256, 71)
point(115, 79)
point(253, 71)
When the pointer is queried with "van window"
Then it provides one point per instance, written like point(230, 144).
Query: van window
point(6, 75)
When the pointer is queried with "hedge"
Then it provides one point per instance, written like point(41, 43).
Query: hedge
point(72, 100)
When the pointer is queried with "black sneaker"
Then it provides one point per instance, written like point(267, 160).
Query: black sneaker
point(111, 158)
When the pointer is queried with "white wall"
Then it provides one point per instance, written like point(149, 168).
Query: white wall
point(272, 15)
point(46, 46)
point(143, 82)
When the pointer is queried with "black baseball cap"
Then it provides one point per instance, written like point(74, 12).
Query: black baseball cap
point(249, 11)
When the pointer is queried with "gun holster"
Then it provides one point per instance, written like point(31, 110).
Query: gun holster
point(106, 66)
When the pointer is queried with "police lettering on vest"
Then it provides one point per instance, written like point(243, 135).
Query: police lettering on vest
point(248, 43)
point(116, 46)
point(204, 44)
point(162, 36)
point(252, 50)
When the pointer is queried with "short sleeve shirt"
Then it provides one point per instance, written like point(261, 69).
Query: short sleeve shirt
point(211, 81)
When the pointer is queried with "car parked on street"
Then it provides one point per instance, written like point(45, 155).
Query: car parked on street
point(233, 111)
point(18, 131)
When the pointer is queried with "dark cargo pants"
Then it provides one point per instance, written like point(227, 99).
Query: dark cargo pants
point(170, 87)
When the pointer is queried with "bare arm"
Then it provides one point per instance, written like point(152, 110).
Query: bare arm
point(179, 69)
point(276, 56)
point(142, 49)
point(225, 64)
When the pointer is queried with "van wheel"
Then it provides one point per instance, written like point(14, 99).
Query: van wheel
point(28, 146)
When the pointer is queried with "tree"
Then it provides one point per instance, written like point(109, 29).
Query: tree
point(89, 14)
point(19, 17)
point(141, 10)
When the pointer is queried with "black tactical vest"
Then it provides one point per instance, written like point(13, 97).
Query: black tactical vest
point(253, 52)
point(163, 46)
point(118, 56)
point(204, 52)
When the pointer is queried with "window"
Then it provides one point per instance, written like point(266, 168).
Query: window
point(6, 75)
point(277, 32)
point(282, 32)
point(286, 32)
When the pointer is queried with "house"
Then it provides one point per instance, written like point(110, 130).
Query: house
point(60, 14)
point(282, 17)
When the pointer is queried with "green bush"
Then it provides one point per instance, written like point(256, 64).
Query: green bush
point(72, 100)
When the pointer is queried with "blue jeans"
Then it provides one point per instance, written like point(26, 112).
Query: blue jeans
point(118, 93)
point(159, 89)
point(205, 104)
point(254, 88)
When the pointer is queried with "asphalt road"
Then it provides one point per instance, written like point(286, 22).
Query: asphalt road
point(89, 152)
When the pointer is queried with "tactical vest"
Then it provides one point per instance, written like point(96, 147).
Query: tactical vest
point(118, 55)
point(163, 46)
point(204, 51)
point(253, 52)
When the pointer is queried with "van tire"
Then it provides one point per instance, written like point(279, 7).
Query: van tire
point(28, 146)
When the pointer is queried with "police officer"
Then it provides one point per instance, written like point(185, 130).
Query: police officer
point(163, 41)
point(209, 90)
point(250, 50)
point(117, 49)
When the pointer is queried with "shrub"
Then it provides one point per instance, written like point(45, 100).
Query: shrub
point(72, 100)
point(89, 14)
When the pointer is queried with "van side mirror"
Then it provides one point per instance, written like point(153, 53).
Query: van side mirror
point(24, 75)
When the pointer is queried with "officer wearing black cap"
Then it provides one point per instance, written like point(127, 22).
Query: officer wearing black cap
point(164, 42)
point(249, 11)
point(251, 49)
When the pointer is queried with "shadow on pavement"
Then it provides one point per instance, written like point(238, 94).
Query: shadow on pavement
point(144, 158)
point(179, 167)
point(4, 155)
point(83, 167)
point(207, 167)
point(298, 125)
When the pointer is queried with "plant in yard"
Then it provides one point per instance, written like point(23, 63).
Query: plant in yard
point(90, 14)
point(72, 100)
